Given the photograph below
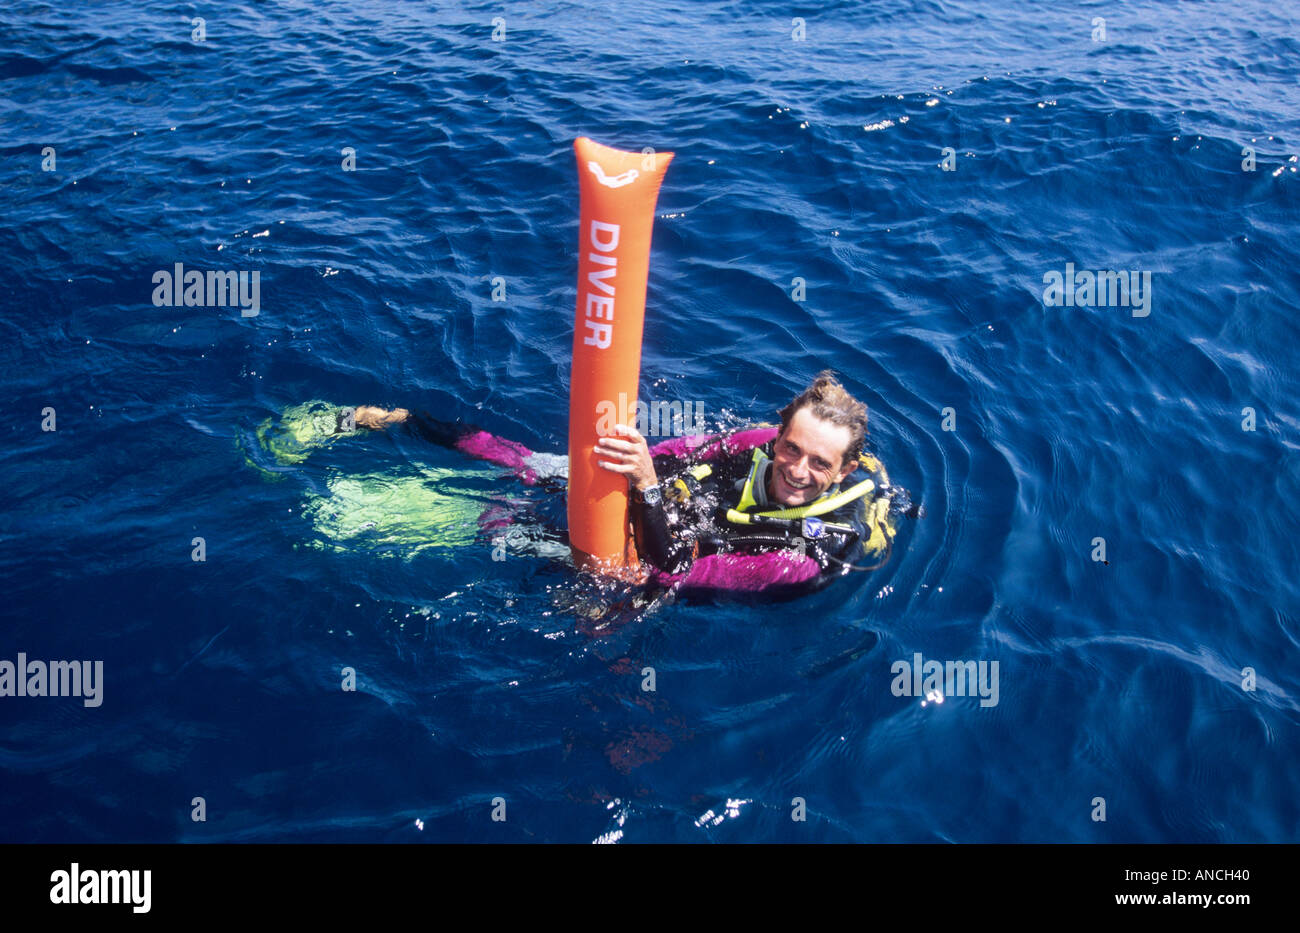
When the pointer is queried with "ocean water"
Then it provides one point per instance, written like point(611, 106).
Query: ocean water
point(1161, 681)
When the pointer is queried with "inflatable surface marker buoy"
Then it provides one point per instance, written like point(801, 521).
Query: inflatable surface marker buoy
point(618, 195)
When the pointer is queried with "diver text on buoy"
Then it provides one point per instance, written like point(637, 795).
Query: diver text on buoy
point(602, 280)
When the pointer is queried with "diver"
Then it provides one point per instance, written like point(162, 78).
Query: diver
point(756, 510)
point(763, 509)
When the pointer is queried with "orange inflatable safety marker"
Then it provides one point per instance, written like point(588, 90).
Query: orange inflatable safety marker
point(619, 190)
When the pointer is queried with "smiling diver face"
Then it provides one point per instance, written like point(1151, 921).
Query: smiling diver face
point(808, 459)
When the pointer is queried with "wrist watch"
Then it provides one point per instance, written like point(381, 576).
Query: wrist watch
point(651, 496)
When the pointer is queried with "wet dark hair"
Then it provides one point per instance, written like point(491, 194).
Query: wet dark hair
point(830, 401)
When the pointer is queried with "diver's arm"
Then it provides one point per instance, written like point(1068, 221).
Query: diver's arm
point(655, 541)
point(629, 454)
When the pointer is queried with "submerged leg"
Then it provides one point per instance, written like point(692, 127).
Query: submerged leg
point(533, 468)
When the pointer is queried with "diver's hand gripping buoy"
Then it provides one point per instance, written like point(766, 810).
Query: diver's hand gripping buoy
point(618, 195)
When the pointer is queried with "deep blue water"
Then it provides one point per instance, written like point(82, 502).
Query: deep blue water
point(818, 159)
